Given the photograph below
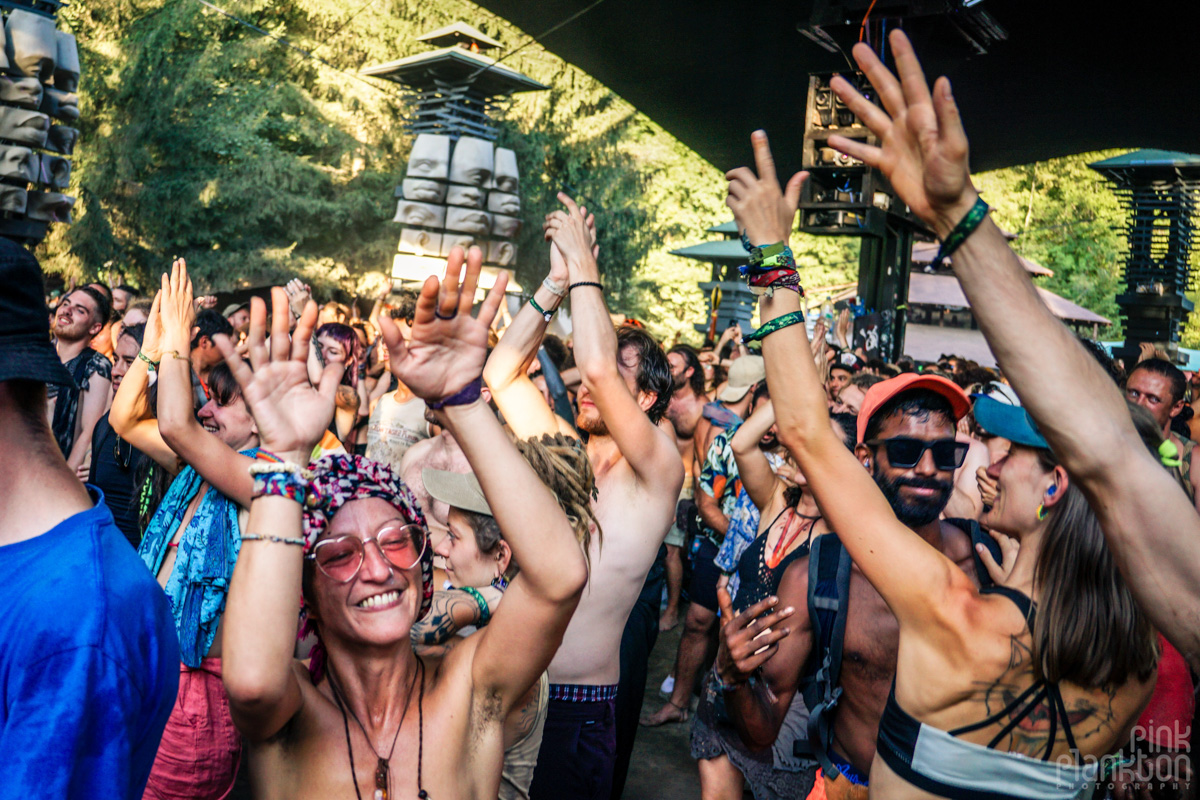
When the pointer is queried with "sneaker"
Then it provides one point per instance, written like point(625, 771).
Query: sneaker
point(668, 685)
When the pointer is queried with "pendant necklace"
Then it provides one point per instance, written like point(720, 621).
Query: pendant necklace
point(383, 767)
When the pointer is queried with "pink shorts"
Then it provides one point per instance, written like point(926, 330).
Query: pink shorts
point(200, 749)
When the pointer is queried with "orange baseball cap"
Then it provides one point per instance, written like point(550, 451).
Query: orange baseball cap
point(880, 393)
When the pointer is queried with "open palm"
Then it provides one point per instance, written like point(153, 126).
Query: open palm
point(448, 347)
point(923, 147)
point(290, 413)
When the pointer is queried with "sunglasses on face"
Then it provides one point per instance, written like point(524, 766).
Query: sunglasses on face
point(904, 452)
point(341, 557)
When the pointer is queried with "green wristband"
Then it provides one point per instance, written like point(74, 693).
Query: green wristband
point(793, 318)
point(485, 613)
point(547, 315)
point(150, 365)
point(965, 227)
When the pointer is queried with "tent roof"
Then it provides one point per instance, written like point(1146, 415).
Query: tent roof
point(945, 291)
point(710, 72)
point(929, 342)
point(925, 252)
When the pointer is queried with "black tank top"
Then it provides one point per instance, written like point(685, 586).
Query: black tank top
point(757, 580)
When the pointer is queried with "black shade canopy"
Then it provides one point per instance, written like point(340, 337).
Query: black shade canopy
point(1071, 77)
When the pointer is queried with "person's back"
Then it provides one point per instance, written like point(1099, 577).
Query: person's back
point(87, 693)
point(87, 649)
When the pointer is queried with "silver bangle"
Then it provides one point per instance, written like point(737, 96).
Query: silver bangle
point(554, 288)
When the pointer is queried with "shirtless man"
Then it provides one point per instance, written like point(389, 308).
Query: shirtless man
point(382, 720)
point(1160, 387)
point(685, 413)
point(907, 406)
point(625, 390)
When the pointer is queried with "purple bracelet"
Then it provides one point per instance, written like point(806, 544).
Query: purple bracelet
point(468, 394)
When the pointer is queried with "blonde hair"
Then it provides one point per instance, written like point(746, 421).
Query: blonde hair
point(562, 463)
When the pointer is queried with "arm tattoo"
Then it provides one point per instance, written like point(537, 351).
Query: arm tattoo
point(451, 610)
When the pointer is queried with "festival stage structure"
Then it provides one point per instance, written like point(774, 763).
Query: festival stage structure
point(458, 188)
point(1159, 191)
point(39, 104)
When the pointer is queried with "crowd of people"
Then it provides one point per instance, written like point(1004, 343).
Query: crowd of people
point(295, 552)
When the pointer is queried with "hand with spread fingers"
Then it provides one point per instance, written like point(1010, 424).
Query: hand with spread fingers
point(923, 147)
point(763, 211)
point(448, 347)
point(290, 413)
point(748, 639)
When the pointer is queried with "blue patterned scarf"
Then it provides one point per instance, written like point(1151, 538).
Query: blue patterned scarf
point(204, 562)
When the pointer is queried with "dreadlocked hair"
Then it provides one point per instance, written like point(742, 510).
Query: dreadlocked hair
point(562, 463)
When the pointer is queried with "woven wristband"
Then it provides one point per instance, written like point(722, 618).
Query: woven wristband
point(485, 613)
point(965, 227)
point(468, 394)
point(290, 485)
point(793, 318)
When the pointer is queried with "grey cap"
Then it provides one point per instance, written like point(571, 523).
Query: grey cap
point(456, 489)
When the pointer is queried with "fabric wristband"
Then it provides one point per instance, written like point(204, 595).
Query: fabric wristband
point(485, 613)
point(792, 318)
point(150, 364)
point(468, 394)
point(965, 227)
point(547, 315)
point(554, 288)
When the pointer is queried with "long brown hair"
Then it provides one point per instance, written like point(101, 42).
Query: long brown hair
point(1089, 631)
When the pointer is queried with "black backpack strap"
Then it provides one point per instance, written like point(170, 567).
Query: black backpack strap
point(979, 536)
point(828, 597)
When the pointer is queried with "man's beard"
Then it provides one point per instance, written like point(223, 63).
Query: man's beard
point(768, 443)
point(68, 332)
point(678, 382)
point(914, 512)
point(592, 425)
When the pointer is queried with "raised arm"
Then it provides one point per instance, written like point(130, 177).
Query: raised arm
point(220, 465)
point(648, 449)
point(259, 627)
point(758, 479)
point(1149, 523)
point(507, 370)
point(131, 415)
point(886, 551)
point(446, 355)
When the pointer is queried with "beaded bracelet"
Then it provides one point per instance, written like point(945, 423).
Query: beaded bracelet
point(965, 227)
point(150, 363)
point(547, 315)
point(485, 613)
point(254, 537)
point(554, 288)
point(793, 318)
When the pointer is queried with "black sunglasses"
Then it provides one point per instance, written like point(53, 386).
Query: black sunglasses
point(904, 452)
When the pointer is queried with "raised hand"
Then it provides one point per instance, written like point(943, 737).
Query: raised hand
point(298, 295)
point(448, 346)
point(205, 301)
point(558, 265)
point(842, 331)
point(176, 310)
point(923, 147)
point(291, 414)
point(574, 238)
point(153, 337)
point(762, 210)
point(747, 642)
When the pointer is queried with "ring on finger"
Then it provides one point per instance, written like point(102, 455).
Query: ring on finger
point(437, 312)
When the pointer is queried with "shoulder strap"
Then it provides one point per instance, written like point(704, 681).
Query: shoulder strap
point(828, 596)
point(979, 536)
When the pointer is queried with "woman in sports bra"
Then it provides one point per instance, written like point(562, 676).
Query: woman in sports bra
point(1016, 692)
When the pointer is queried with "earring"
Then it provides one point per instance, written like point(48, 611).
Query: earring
point(1041, 511)
point(500, 583)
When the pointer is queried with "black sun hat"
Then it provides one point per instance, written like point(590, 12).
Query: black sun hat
point(25, 348)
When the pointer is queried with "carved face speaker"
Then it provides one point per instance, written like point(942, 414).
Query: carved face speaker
point(13, 199)
point(472, 161)
point(452, 240)
point(506, 170)
point(502, 203)
point(423, 191)
point(55, 172)
point(23, 92)
point(425, 215)
point(422, 243)
point(468, 220)
point(19, 163)
point(502, 253)
point(23, 126)
point(49, 207)
point(505, 227)
point(61, 139)
point(60, 105)
point(32, 45)
point(469, 196)
point(66, 64)
point(430, 157)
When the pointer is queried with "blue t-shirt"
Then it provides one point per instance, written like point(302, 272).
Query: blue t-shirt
point(89, 662)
